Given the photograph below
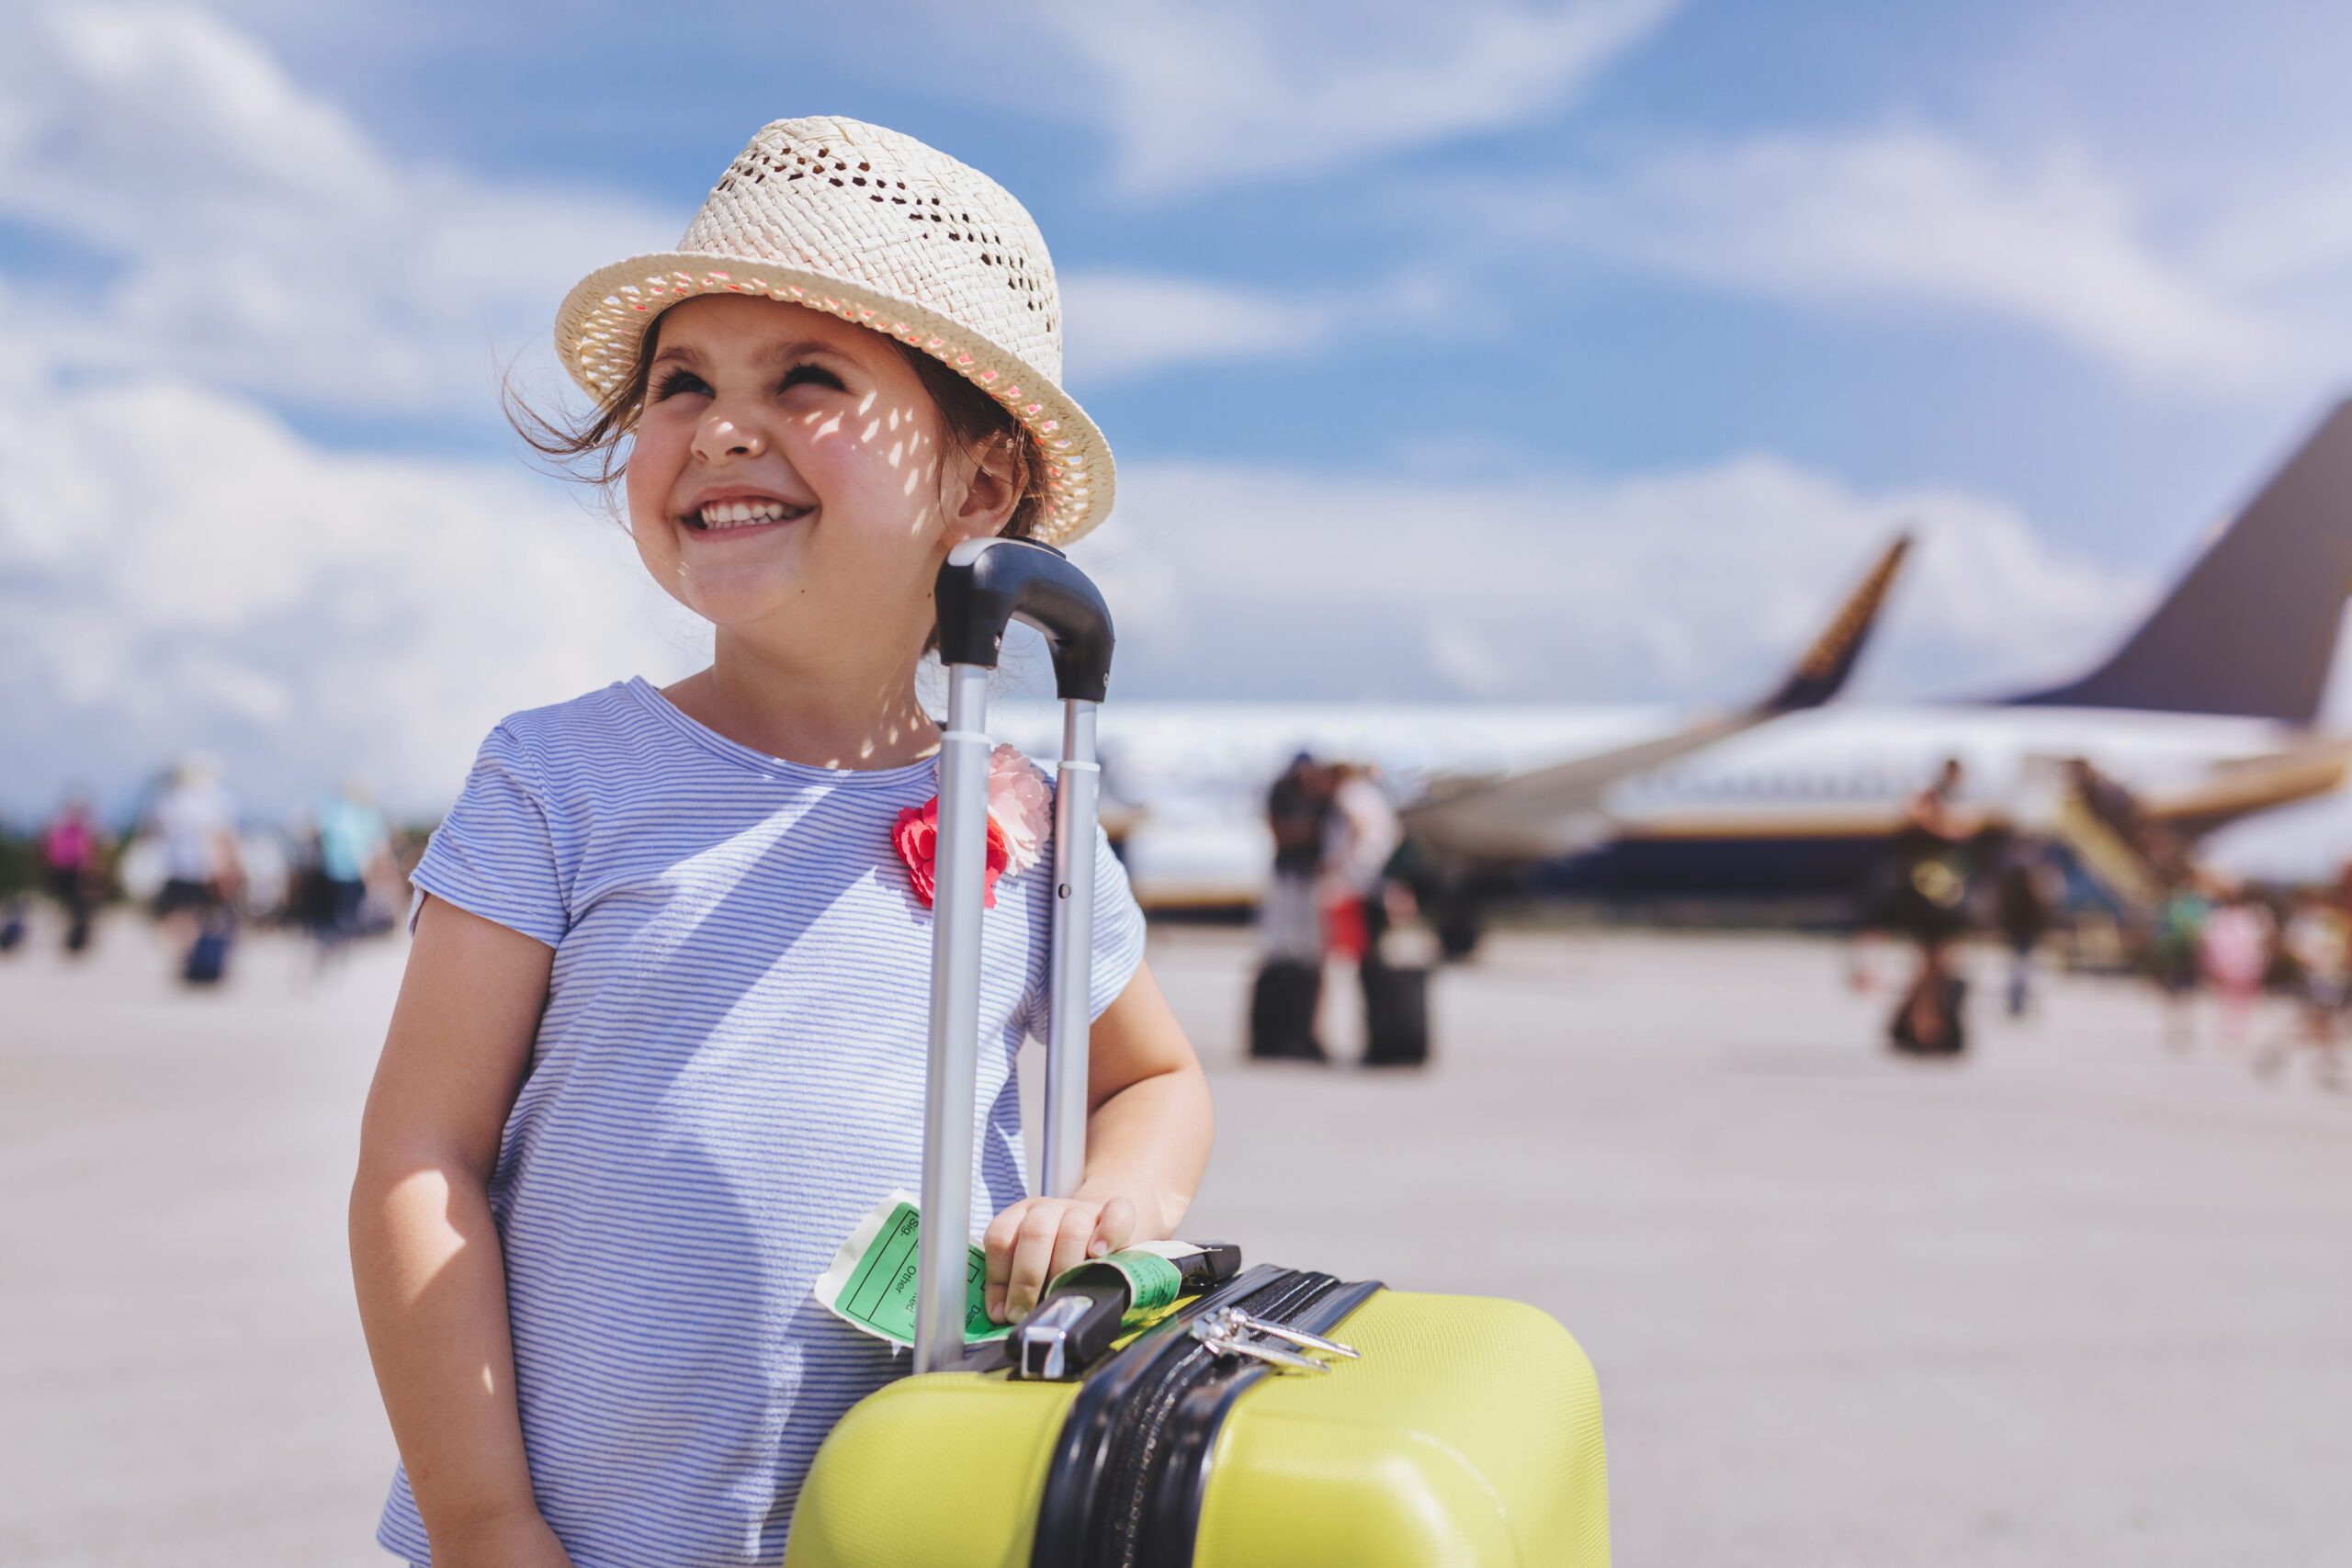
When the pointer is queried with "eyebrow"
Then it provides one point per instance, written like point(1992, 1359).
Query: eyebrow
point(769, 354)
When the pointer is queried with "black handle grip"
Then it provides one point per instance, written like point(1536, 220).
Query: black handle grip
point(1019, 579)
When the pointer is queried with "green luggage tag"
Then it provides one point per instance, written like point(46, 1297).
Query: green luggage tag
point(870, 1285)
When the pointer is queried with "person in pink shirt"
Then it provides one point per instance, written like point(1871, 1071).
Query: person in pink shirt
point(69, 859)
point(2235, 949)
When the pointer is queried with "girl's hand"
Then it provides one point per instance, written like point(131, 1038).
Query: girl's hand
point(1038, 1237)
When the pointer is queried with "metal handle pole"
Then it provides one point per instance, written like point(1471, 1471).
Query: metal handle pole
point(952, 1084)
point(1062, 1150)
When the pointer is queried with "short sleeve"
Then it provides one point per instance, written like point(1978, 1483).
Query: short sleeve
point(1118, 942)
point(495, 854)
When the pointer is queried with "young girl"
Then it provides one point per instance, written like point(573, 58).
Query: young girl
point(663, 1035)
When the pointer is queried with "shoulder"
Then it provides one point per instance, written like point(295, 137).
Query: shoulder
point(556, 727)
point(594, 732)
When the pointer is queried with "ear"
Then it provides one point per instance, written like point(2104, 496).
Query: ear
point(990, 496)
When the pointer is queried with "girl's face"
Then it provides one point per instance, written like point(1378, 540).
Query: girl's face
point(786, 480)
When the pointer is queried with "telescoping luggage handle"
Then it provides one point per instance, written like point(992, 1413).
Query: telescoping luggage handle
point(984, 585)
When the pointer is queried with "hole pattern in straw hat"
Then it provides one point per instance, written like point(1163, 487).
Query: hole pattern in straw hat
point(886, 232)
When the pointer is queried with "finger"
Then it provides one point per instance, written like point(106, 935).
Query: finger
point(1114, 1229)
point(996, 1245)
point(1071, 1238)
point(1033, 1252)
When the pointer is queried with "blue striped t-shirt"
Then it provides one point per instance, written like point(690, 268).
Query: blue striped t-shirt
point(727, 1074)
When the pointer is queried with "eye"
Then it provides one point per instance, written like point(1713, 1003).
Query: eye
point(676, 380)
point(810, 376)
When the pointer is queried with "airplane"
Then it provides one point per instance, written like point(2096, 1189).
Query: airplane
point(2206, 713)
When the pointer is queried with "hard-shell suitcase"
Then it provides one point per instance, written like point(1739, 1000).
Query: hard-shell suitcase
point(1235, 1428)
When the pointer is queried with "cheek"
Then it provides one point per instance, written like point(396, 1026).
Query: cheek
point(879, 465)
point(654, 458)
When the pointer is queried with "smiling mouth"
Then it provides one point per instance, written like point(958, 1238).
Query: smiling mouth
point(722, 515)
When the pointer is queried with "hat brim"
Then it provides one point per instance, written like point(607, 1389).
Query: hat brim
point(603, 320)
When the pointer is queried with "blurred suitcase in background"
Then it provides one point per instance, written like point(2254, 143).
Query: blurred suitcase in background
point(1272, 1415)
point(1395, 1016)
point(208, 956)
point(1282, 1002)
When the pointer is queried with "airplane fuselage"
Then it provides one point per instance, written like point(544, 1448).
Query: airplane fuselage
point(1799, 805)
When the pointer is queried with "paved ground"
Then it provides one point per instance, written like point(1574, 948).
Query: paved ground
point(2075, 1300)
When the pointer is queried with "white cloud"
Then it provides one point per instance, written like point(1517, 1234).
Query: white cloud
point(177, 571)
point(239, 229)
point(1126, 324)
point(1202, 95)
point(1910, 217)
point(1695, 585)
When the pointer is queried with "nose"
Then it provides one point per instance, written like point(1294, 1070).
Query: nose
point(719, 435)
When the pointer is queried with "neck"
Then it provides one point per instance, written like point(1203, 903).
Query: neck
point(840, 712)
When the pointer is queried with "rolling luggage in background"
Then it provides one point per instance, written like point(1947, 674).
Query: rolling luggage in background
point(1951, 1005)
point(1272, 1415)
point(208, 956)
point(1282, 1011)
point(1395, 1016)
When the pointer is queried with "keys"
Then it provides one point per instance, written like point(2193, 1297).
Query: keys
point(1229, 1330)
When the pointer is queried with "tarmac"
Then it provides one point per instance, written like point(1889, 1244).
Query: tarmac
point(2079, 1297)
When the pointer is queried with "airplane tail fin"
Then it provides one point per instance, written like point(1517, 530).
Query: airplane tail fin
point(1823, 671)
point(2251, 629)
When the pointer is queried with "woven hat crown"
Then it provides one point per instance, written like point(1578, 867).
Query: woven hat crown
point(889, 232)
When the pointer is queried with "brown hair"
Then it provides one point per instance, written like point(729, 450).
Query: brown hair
point(592, 449)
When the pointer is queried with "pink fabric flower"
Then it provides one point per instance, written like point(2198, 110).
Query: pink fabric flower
point(1020, 806)
point(1021, 814)
point(916, 837)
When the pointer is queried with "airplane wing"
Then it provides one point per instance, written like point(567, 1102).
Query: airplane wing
point(1540, 813)
point(2248, 785)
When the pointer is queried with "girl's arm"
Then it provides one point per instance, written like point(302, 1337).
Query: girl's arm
point(425, 1251)
point(1148, 1132)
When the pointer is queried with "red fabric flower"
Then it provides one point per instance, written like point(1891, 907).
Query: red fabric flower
point(916, 837)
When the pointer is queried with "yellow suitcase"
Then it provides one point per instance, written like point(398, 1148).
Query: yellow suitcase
point(1464, 1430)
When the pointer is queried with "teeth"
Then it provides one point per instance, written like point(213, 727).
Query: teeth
point(738, 514)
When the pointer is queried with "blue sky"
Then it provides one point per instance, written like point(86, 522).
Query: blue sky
point(1650, 320)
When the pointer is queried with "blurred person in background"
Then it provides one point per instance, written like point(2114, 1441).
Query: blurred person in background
point(2319, 938)
point(1929, 906)
point(194, 822)
point(2026, 898)
point(355, 850)
point(1370, 900)
point(70, 864)
point(2175, 942)
point(1288, 991)
point(1361, 833)
point(1298, 812)
point(2236, 951)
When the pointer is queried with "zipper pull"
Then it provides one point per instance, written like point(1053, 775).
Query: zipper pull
point(1208, 1331)
point(1298, 1336)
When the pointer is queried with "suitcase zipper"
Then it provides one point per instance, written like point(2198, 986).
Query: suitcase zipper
point(1137, 1442)
point(1124, 1486)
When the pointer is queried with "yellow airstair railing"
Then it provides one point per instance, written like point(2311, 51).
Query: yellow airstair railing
point(2110, 859)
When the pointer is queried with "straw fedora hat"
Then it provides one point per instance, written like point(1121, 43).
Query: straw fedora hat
point(886, 232)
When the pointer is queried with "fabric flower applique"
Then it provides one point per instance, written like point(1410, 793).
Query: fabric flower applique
point(1021, 814)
